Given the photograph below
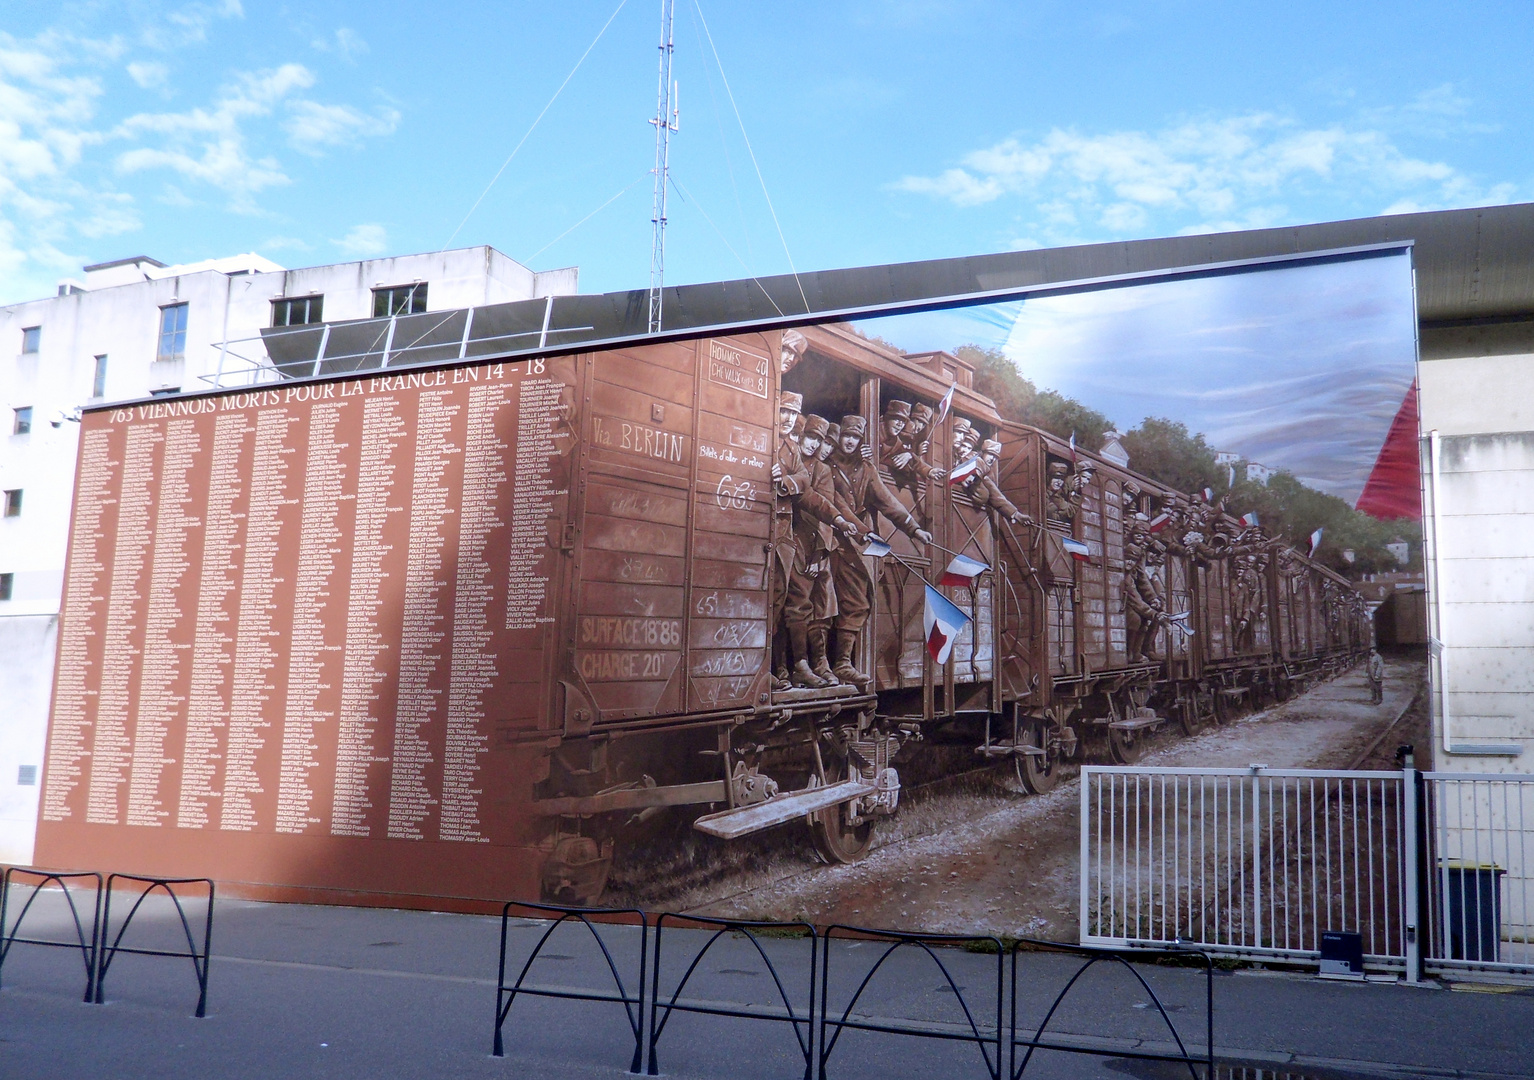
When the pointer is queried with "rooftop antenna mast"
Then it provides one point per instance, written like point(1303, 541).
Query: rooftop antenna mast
point(666, 116)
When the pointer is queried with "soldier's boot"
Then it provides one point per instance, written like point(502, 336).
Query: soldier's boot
point(780, 661)
point(841, 666)
point(818, 662)
point(802, 676)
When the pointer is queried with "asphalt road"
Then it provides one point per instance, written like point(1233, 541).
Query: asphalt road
point(298, 991)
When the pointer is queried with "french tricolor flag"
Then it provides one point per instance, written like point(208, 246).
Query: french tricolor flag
point(944, 405)
point(1158, 522)
point(1315, 540)
point(944, 623)
point(963, 571)
point(877, 548)
point(1250, 519)
point(1079, 549)
point(963, 472)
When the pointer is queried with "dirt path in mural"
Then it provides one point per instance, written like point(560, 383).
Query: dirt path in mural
point(973, 858)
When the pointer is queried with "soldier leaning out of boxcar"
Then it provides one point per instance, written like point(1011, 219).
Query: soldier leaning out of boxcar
point(983, 488)
point(859, 489)
point(904, 457)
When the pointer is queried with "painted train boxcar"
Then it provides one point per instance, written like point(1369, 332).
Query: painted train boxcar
point(1104, 607)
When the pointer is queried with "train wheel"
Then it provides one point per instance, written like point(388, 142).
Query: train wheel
point(1125, 747)
point(836, 841)
point(1190, 717)
point(1036, 774)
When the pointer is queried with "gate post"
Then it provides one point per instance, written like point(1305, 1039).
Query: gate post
point(1257, 855)
point(1411, 848)
point(1086, 843)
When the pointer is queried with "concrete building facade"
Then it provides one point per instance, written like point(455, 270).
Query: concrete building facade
point(127, 329)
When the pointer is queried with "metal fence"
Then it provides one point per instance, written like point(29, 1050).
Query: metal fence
point(1004, 1009)
point(1477, 861)
point(1261, 862)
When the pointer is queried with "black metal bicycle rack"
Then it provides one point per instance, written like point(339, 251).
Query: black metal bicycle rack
point(802, 1023)
point(633, 1004)
point(990, 1046)
point(86, 944)
point(1126, 960)
point(990, 1019)
point(106, 954)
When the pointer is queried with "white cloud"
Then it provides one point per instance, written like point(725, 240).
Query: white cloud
point(188, 24)
point(149, 74)
point(1219, 173)
point(212, 145)
point(312, 126)
point(364, 240)
point(209, 144)
point(345, 41)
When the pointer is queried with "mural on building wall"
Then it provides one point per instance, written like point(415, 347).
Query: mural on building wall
point(469, 631)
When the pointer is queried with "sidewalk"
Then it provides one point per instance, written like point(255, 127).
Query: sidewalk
point(298, 991)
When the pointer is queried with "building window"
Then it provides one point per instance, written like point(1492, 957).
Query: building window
point(23, 423)
point(99, 380)
point(298, 311)
point(31, 338)
point(26, 775)
point(7, 582)
point(399, 300)
point(172, 333)
point(13, 502)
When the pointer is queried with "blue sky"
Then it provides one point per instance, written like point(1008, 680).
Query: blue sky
point(1299, 368)
point(883, 131)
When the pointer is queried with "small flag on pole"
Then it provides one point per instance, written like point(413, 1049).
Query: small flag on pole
point(1158, 522)
point(963, 472)
point(1209, 495)
point(877, 548)
point(1315, 541)
point(944, 622)
point(963, 571)
point(1078, 549)
point(944, 405)
point(1250, 519)
point(1179, 622)
point(1073, 448)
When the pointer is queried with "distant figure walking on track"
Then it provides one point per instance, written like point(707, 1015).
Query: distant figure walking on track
point(1376, 676)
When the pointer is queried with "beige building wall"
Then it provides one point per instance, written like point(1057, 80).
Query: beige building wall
point(1479, 506)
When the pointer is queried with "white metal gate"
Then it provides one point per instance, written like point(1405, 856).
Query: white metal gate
point(1260, 862)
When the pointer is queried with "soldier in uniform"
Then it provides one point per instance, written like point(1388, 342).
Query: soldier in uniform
point(919, 432)
point(965, 438)
point(903, 456)
point(791, 585)
point(1061, 498)
point(859, 489)
point(1144, 605)
point(821, 526)
point(820, 625)
point(790, 350)
point(984, 489)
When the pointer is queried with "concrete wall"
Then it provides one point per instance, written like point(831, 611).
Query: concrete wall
point(27, 643)
point(1481, 561)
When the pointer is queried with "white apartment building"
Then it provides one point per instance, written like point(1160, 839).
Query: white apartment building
point(136, 327)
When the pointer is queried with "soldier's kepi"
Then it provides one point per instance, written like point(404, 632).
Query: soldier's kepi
point(859, 489)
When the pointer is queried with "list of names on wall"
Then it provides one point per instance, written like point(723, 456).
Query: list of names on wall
point(301, 610)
